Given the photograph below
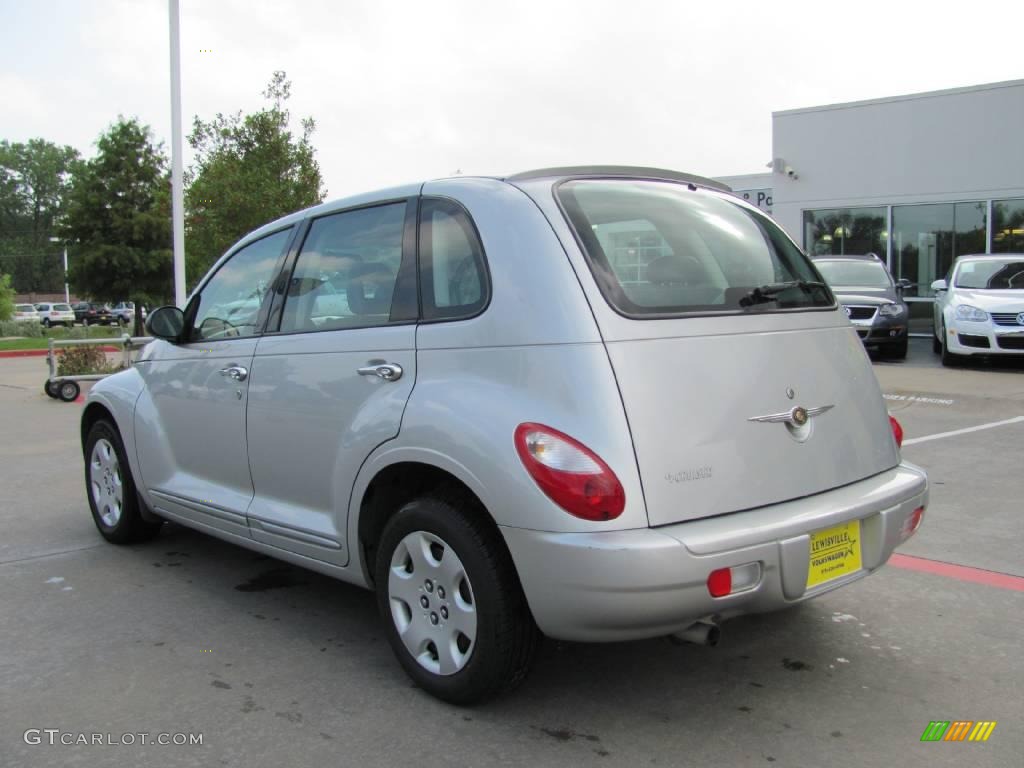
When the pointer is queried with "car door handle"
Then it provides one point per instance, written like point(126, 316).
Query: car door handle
point(235, 372)
point(386, 371)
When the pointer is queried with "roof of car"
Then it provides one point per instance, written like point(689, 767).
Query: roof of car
point(409, 190)
point(989, 256)
point(850, 257)
point(623, 171)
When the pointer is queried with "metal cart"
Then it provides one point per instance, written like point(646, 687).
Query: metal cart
point(66, 388)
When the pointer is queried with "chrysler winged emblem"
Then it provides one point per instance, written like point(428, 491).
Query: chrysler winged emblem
point(795, 417)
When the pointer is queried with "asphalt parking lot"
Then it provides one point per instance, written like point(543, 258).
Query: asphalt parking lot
point(275, 665)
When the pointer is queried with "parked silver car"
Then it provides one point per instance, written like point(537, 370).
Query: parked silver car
point(596, 404)
point(51, 314)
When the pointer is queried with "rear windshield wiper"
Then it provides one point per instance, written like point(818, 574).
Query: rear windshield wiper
point(770, 292)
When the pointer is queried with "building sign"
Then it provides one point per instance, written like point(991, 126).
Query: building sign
point(762, 198)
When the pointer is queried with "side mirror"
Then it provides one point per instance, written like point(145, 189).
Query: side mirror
point(167, 323)
point(939, 285)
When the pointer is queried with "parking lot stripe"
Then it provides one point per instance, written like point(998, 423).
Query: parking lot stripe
point(990, 425)
point(961, 572)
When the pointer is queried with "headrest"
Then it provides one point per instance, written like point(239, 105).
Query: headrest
point(369, 289)
point(676, 269)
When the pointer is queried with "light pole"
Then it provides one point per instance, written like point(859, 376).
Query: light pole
point(177, 195)
point(67, 292)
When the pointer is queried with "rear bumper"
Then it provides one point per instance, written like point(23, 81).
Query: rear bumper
point(640, 583)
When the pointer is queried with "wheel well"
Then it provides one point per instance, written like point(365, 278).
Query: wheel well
point(398, 484)
point(93, 413)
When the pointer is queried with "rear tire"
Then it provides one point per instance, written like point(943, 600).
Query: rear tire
point(115, 505)
point(451, 601)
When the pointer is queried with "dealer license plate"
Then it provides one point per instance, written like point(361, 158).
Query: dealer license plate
point(835, 552)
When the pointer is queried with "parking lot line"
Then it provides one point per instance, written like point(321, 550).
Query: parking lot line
point(960, 572)
point(990, 425)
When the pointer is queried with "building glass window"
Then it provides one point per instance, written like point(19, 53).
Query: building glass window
point(1008, 226)
point(927, 239)
point(839, 231)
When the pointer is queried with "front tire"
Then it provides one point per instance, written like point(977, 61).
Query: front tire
point(454, 609)
point(949, 359)
point(898, 351)
point(46, 322)
point(109, 485)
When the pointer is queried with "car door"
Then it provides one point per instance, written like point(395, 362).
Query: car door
point(190, 419)
point(331, 382)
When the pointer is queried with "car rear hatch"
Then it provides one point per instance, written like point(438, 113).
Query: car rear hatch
point(742, 381)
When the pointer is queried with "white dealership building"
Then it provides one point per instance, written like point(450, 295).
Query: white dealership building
point(918, 179)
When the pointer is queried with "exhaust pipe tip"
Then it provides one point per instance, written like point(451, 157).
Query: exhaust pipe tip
point(698, 633)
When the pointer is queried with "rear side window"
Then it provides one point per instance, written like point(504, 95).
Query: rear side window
point(453, 275)
point(662, 249)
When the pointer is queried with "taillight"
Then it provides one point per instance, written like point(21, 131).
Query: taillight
point(897, 430)
point(572, 475)
point(729, 581)
point(912, 523)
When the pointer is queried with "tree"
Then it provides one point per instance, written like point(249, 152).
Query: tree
point(34, 180)
point(6, 298)
point(118, 219)
point(248, 171)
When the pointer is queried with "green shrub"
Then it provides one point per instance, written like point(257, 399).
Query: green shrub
point(22, 328)
point(74, 361)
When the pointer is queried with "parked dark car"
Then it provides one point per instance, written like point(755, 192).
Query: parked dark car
point(872, 299)
point(89, 313)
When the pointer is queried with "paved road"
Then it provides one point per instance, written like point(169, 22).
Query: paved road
point(278, 666)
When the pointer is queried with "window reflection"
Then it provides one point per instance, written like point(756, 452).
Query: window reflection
point(1008, 226)
point(927, 239)
point(839, 231)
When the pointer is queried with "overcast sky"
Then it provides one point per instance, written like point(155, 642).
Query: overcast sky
point(403, 91)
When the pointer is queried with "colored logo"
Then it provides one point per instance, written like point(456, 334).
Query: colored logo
point(958, 730)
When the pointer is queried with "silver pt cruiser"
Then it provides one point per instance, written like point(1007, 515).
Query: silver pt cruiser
point(592, 403)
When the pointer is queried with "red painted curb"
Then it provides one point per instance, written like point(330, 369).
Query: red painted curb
point(42, 352)
point(960, 572)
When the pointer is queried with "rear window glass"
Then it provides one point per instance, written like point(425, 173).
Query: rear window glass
point(663, 249)
point(860, 274)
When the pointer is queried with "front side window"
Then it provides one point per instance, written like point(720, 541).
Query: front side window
point(346, 271)
point(662, 249)
point(230, 302)
point(452, 272)
point(854, 274)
